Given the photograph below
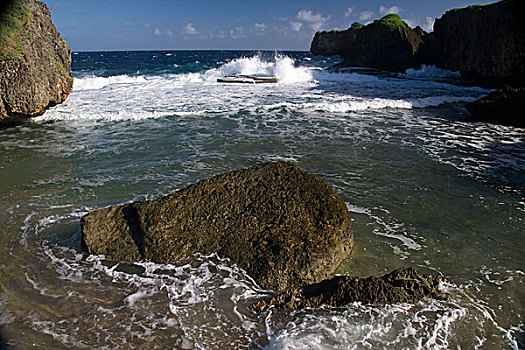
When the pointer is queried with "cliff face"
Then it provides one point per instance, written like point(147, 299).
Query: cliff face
point(485, 43)
point(388, 43)
point(35, 61)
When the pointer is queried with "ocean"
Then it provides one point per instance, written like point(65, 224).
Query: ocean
point(424, 187)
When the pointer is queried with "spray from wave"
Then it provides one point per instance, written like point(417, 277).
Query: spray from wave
point(282, 67)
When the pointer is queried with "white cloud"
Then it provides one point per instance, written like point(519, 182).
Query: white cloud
point(190, 29)
point(412, 23)
point(316, 26)
point(365, 15)
point(237, 32)
point(308, 16)
point(388, 10)
point(349, 11)
point(157, 31)
point(296, 26)
point(316, 21)
point(127, 24)
point(429, 26)
point(260, 27)
point(221, 35)
point(169, 32)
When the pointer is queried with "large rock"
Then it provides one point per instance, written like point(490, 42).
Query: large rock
point(285, 227)
point(485, 43)
point(388, 43)
point(35, 62)
point(399, 286)
point(504, 107)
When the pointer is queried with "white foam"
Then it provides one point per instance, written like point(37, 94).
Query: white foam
point(431, 72)
point(283, 68)
point(95, 83)
point(302, 89)
point(433, 101)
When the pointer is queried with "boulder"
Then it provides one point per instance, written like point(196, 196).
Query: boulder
point(485, 43)
point(35, 62)
point(284, 226)
point(388, 44)
point(503, 107)
point(399, 286)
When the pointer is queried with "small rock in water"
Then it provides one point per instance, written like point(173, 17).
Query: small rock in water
point(400, 286)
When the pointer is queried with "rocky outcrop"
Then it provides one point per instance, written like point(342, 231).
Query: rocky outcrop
point(285, 227)
point(35, 62)
point(399, 286)
point(485, 43)
point(388, 43)
point(500, 107)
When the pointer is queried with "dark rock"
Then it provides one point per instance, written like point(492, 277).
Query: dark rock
point(399, 286)
point(419, 31)
point(485, 43)
point(284, 226)
point(388, 43)
point(35, 62)
point(500, 107)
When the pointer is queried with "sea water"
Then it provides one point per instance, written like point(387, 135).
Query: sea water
point(424, 188)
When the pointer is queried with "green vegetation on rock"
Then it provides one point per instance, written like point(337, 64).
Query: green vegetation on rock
point(356, 25)
point(389, 22)
point(472, 7)
point(64, 73)
point(12, 28)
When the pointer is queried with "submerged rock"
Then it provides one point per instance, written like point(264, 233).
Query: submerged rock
point(388, 43)
point(35, 62)
point(399, 286)
point(500, 107)
point(285, 227)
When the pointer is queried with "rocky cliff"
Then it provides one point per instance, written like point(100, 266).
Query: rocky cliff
point(388, 43)
point(35, 61)
point(485, 43)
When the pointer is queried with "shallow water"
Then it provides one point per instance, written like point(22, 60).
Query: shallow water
point(424, 188)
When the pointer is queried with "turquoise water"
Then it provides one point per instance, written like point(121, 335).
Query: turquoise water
point(424, 188)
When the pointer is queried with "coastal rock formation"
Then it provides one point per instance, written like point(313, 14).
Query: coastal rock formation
point(500, 107)
point(285, 227)
point(485, 43)
point(388, 43)
point(35, 62)
point(399, 286)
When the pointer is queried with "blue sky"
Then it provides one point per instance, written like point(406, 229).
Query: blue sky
point(91, 25)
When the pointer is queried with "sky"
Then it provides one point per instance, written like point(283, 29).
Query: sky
point(100, 25)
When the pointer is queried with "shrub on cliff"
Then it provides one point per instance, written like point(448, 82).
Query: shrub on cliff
point(389, 22)
point(12, 20)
